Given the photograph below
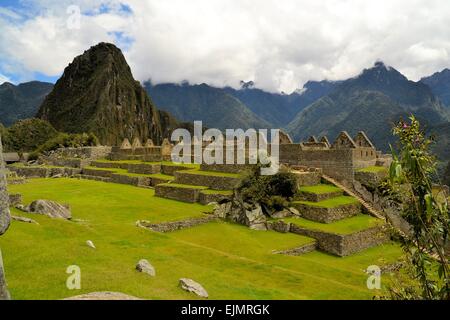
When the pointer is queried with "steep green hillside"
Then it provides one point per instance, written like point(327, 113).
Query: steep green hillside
point(22, 101)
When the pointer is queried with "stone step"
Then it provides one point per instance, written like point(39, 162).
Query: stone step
point(329, 210)
point(210, 179)
point(43, 171)
point(208, 196)
point(318, 193)
point(180, 192)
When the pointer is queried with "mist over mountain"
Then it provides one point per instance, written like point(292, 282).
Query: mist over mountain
point(214, 106)
point(373, 102)
point(21, 101)
point(277, 108)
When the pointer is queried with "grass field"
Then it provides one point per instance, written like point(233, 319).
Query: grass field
point(230, 261)
point(374, 169)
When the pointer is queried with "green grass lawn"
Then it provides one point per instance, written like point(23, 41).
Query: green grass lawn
point(320, 189)
point(374, 169)
point(221, 192)
point(346, 226)
point(230, 261)
point(331, 203)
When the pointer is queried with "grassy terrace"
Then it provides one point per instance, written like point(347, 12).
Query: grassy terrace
point(184, 186)
point(23, 165)
point(346, 226)
point(373, 169)
point(320, 189)
point(212, 173)
point(330, 203)
point(230, 261)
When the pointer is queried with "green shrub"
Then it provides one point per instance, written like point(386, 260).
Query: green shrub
point(273, 191)
point(26, 135)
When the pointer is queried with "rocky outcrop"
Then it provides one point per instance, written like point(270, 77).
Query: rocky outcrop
point(145, 267)
point(51, 209)
point(244, 213)
point(194, 287)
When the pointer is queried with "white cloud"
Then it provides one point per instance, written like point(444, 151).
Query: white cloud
point(278, 44)
point(4, 79)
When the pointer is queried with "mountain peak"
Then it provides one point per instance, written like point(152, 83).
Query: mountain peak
point(97, 93)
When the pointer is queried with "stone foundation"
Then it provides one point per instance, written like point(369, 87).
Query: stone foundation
point(44, 172)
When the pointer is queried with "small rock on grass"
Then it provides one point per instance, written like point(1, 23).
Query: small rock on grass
point(194, 287)
point(145, 267)
point(90, 244)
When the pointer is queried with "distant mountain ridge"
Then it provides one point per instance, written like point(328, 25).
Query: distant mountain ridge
point(372, 102)
point(440, 85)
point(214, 106)
point(21, 101)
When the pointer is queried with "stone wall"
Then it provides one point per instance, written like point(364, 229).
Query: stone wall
point(207, 198)
point(210, 181)
point(43, 172)
point(175, 225)
point(92, 153)
point(344, 245)
point(190, 195)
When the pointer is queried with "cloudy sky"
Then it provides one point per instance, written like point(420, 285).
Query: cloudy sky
point(278, 44)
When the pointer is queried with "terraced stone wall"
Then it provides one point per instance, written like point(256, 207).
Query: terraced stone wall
point(345, 245)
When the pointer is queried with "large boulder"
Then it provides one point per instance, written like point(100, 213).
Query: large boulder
point(194, 287)
point(248, 214)
point(145, 267)
point(51, 209)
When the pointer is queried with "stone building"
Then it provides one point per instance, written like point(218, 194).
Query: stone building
point(339, 160)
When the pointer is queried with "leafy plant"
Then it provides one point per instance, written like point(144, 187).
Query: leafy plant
point(271, 191)
point(426, 211)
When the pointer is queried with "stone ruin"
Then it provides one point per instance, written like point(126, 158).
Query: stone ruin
point(4, 220)
point(339, 160)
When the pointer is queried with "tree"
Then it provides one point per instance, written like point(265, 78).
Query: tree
point(426, 211)
point(27, 135)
